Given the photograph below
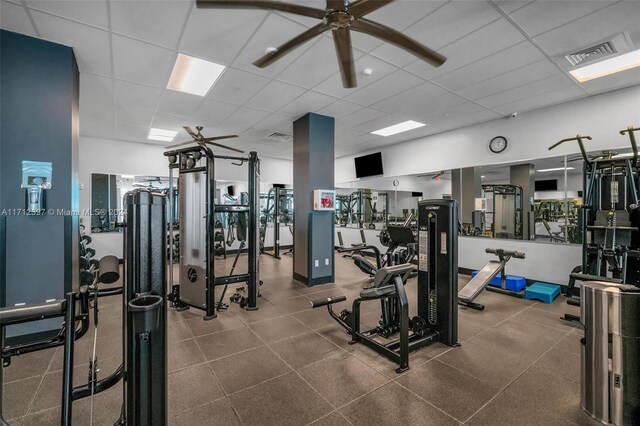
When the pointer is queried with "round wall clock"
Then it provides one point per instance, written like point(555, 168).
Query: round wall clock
point(498, 144)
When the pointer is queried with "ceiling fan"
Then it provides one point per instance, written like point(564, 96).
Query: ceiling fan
point(201, 140)
point(435, 175)
point(340, 16)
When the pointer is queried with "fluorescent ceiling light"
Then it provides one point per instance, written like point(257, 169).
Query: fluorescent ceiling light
point(608, 66)
point(557, 169)
point(398, 128)
point(193, 75)
point(128, 177)
point(627, 155)
point(162, 135)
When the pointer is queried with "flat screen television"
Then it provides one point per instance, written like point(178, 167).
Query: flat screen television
point(369, 165)
point(547, 185)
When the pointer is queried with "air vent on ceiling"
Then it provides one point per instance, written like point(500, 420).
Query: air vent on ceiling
point(280, 137)
point(589, 54)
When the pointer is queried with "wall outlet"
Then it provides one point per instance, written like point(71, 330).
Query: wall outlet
point(326, 262)
point(317, 263)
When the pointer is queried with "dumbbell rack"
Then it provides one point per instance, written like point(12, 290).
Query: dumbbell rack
point(219, 248)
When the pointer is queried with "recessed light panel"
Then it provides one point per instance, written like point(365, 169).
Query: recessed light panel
point(398, 128)
point(162, 135)
point(557, 169)
point(193, 75)
point(607, 67)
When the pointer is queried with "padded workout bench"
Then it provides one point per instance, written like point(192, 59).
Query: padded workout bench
point(481, 280)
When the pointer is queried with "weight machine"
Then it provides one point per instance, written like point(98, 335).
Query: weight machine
point(278, 209)
point(437, 313)
point(198, 209)
point(610, 216)
point(506, 214)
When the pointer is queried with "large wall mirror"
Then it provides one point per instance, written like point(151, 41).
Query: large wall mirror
point(107, 192)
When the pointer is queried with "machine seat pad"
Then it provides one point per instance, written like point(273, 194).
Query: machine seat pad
point(377, 292)
point(385, 275)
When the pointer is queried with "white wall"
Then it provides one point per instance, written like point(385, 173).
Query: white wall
point(120, 157)
point(529, 137)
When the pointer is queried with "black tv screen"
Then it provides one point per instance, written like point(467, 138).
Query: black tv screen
point(368, 165)
point(547, 185)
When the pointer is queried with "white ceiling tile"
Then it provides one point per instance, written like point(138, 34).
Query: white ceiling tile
point(499, 63)
point(378, 123)
point(237, 86)
point(509, 6)
point(314, 65)
point(90, 45)
point(490, 39)
point(308, 102)
point(333, 85)
point(393, 55)
point(541, 16)
point(91, 12)
point(275, 95)
point(244, 118)
point(133, 133)
point(214, 112)
point(546, 85)
point(403, 13)
point(97, 120)
point(219, 34)
point(451, 22)
point(13, 17)
point(275, 31)
point(384, 88)
point(511, 79)
point(136, 95)
point(359, 117)
point(545, 99)
point(420, 100)
point(174, 122)
point(340, 108)
point(602, 25)
point(134, 116)
point(159, 22)
point(141, 62)
point(178, 103)
point(96, 88)
point(275, 123)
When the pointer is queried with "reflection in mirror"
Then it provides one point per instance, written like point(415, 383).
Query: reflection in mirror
point(107, 192)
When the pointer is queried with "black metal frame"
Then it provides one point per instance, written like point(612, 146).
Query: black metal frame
point(252, 278)
point(277, 194)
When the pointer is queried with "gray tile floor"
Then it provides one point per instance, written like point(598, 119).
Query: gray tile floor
point(286, 364)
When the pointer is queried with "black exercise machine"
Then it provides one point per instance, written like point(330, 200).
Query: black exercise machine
point(437, 319)
point(481, 280)
point(144, 368)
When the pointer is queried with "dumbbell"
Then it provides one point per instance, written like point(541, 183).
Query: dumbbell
point(86, 239)
point(219, 250)
point(218, 236)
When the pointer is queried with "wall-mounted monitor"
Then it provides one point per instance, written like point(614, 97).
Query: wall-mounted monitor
point(547, 185)
point(369, 165)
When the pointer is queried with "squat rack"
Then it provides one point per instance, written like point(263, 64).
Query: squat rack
point(189, 162)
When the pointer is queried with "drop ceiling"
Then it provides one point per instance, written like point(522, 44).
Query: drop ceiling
point(503, 56)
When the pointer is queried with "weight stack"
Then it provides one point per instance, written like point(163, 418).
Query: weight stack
point(145, 312)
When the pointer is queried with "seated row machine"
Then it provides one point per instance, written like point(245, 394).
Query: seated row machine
point(437, 319)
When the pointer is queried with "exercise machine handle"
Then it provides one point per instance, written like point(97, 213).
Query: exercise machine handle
point(579, 139)
point(512, 253)
point(632, 138)
point(328, 301)
point(25, 313)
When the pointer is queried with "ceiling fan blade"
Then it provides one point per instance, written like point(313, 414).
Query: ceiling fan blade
point(215, 138)
point(394, 37)
point(225, 147)
point(271, 57)
point(342, 41)
point(363, 7)
point(179, 144)
point(190, 131)
point(254, 4)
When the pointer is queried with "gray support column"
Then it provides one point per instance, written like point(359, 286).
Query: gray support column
point(313, 163)
point(38, 122)
point(466, 186)
point(524, 175)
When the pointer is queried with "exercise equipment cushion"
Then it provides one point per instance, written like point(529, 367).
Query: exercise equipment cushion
point(514, 282)
point(542, 291)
